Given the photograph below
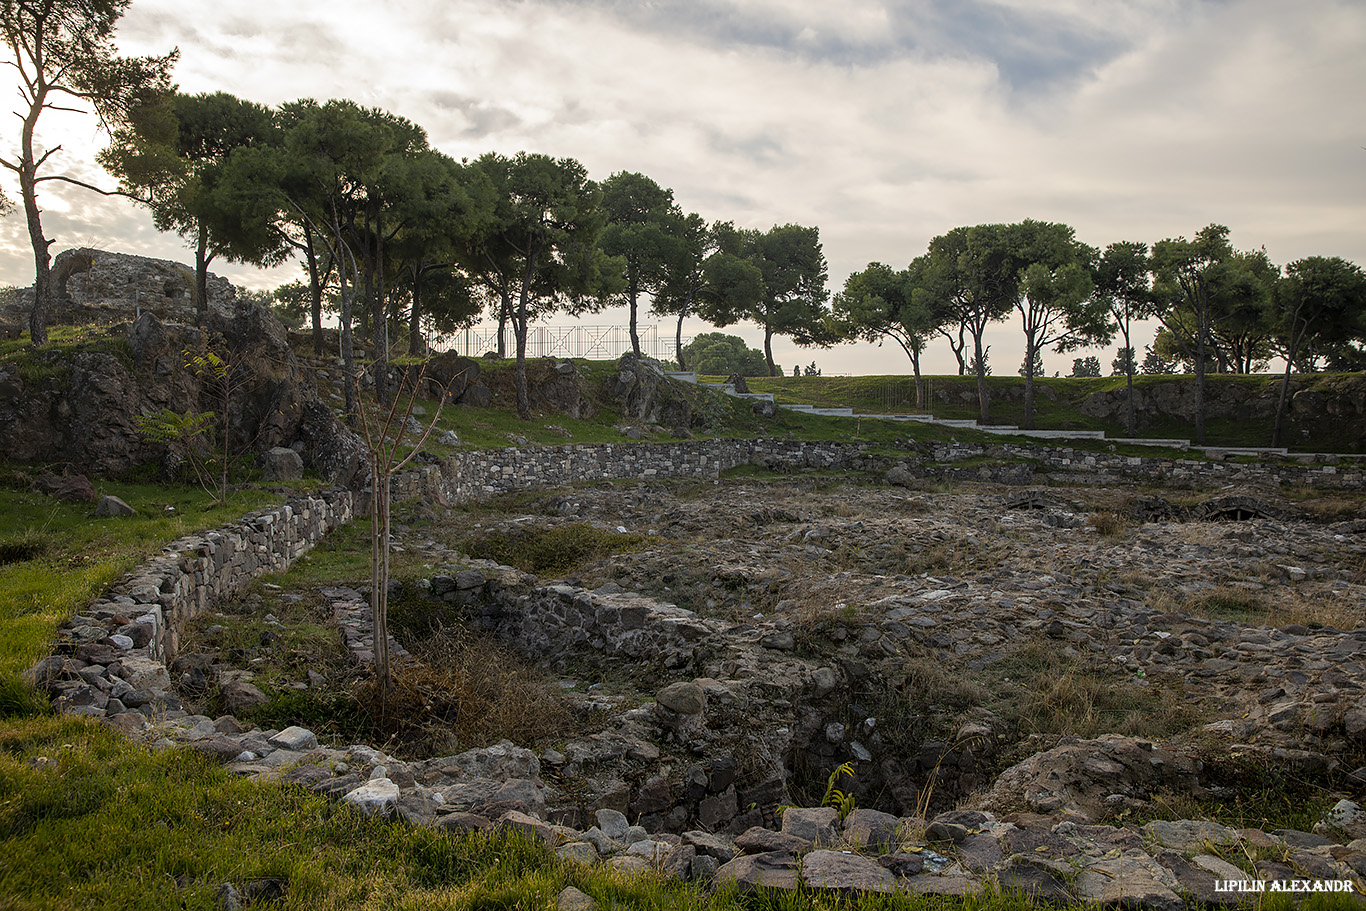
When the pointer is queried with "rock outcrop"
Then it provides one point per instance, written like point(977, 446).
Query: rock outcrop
point(82, 406)
point(644, 393)
point(92, 285)
point(1313, 400)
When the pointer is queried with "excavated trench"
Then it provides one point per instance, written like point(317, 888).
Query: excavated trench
point(1015, 623)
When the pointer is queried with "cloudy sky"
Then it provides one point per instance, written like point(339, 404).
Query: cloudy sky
point(883, 123)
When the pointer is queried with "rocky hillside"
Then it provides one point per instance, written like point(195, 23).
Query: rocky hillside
point(78, 403)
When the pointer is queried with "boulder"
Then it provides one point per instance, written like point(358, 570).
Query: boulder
point(1129, 881)
point(377, 797)
point(571, 899)
point(817, 825)
point(240, 697)
point(644, 393)
point(113, 507)
point(71, 489)
point(685, 698)
point(282, 464)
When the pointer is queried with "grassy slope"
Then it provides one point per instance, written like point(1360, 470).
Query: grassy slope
point(1057, 403)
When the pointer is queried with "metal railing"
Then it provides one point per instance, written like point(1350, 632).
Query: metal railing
point(595, 342)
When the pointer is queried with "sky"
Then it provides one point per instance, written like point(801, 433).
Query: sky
point(884, 124)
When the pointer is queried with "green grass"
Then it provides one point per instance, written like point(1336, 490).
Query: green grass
point(555, 550)
point(1057, 404)
point(36, 366)
point(82, 557)
point(88, 820)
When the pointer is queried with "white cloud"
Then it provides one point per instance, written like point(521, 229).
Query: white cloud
point(884, 123)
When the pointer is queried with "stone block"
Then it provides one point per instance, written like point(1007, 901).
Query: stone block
point(846, 873)
point(295, 738)
point(282, 464)
point(817, 825)
point(377, 797)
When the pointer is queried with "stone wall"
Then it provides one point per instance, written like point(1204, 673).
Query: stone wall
point(1312, 471)
point(148, 609)
point(474, 475)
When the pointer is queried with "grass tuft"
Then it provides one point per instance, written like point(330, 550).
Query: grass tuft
point(554, 550)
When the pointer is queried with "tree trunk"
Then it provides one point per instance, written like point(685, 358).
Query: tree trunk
point(519, 328)
point(379, 324)
point(504, 307)
point(348, 295)
point(983, 402)
point(379, 574)
point(1201, 330)
point(42, 258)
point(919, 382)
point(633, 294)
point(768, 350)
point(1278, 429)
point(315, 290)
point(417, 345)
point(678, 339)
point(201, 277)
point(1029, 384)
point(1129, 359)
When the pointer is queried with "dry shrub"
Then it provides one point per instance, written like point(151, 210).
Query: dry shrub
point(1135, 578)
point(956, 557)
point(553, 550)
point(1282, 606)
point(466, 693)
point(1229, 602)
point(1331, 509)
point(1077, 699)
point(1319, 609)
point(1110, 524)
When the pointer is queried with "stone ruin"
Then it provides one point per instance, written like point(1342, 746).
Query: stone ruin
point(704, 767)
point(90, 285)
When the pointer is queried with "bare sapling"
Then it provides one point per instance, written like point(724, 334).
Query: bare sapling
point(384, 442)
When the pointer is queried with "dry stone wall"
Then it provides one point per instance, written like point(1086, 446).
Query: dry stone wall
point(148, 610)
point(1313, 471)
point(474, 475)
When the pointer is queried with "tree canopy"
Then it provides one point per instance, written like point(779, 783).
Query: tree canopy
point(719, 354)
point(882, 303)
point(173, 156)
point(545, 230)
point(793, 298)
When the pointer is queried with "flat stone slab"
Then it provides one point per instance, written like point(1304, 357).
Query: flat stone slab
point(754, 872)
point(295, 738)
point(846, 872)
point(1189, 834)
point(1129, 882)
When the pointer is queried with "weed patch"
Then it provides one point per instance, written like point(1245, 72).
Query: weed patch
point(554, 550)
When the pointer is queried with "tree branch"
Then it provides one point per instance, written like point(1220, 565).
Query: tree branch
point(80, 183)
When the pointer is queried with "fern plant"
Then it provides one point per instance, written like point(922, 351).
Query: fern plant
point(191, 432)
point(842, 801)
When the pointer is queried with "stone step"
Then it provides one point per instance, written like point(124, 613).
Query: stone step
point(1141, 441)
point(1241, 450)
point(1047, 434)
